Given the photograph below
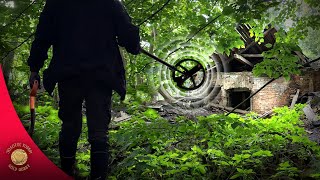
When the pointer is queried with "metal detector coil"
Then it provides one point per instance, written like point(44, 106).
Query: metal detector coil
point(193, 76)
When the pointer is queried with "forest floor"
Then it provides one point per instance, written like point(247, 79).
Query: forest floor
point(146, 133)
point(171, 111)
point(314, 133)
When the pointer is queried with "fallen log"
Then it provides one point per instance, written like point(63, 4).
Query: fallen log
point(310, 115)
point(243, 60)
point(266, 114)
point(240, 111)
point(295, 99)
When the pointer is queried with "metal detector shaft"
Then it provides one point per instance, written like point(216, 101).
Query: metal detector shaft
point(161, 61)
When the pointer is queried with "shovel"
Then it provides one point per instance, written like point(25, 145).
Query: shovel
point(33, 94)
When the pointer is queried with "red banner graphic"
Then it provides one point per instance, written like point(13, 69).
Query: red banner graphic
point(20, 158)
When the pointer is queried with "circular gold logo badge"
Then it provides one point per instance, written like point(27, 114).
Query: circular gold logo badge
point(19, 157)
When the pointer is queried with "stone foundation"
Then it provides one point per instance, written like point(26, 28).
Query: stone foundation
point(278, 93)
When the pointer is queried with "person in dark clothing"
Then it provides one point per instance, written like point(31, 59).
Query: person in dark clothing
point(87, 66)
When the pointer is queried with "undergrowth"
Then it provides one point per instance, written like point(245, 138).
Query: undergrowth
point(213, 147)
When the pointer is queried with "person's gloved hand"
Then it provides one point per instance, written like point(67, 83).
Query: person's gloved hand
point(33, 77)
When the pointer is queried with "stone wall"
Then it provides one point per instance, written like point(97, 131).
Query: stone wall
point(278, 93)
point(275, 94)
point(234, 80)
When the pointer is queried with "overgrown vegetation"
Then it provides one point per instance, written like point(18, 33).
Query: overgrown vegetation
point(213, 147)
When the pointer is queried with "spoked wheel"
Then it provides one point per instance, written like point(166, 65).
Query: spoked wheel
point(193, 75)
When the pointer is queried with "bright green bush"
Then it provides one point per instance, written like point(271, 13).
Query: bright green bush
point(214, 147)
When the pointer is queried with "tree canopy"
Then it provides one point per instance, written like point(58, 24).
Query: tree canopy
point(171, 28)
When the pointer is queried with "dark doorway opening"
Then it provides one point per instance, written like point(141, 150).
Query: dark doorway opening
point(236, 96)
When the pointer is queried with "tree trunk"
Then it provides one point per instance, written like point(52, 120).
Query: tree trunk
point(7, 67)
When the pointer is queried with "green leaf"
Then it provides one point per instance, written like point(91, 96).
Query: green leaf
point(151, 113)
point(262, 153)
point(227, 10)
point(235, 176)
point(197, 149)
point(202, 169)
point(235, 125)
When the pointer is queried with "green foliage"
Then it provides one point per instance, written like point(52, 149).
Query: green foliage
point(214, 147)
point(178, 19)
point(279, 61)
point(83, 163)
point(285, 170)
point(46, 131)
point(310, 44)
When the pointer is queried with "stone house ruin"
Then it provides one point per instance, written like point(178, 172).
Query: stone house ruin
point(238, 83)
point(237, 86)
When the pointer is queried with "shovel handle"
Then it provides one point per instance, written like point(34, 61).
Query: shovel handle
point(33, 94)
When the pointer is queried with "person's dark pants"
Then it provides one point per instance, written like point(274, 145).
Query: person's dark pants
point(72, 93)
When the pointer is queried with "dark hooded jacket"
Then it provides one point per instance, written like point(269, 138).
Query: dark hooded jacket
point(85, 36)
